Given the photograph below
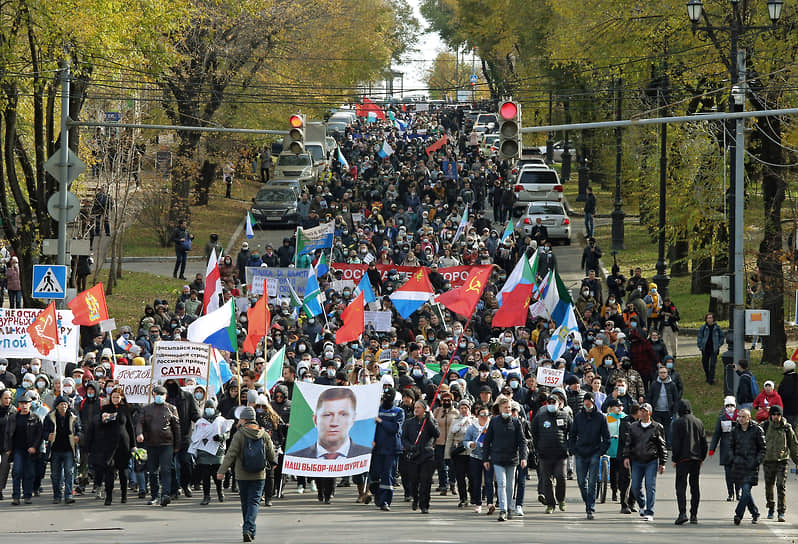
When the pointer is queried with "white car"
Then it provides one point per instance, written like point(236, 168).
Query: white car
point(554, 218)
point(534, 183)
point(293, 166)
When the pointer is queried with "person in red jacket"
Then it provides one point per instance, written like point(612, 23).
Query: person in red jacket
point(765, 399)
point(644, 360)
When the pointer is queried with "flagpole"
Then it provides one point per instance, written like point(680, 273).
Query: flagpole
point(296, 246)
point(208, 374)
point(238, 375)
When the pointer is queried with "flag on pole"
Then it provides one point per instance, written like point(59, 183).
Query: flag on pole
point(461, 227)
point(515, 309)
point(365, 287)
point(413, 294)
point(437, 145)
point(522, 274)
point(258, 318)
point(558, 341)
point(508, 230)
point(462, 300)
point(250, 225)
point(217, 328)
point(273, 373)
point(369, 106)
point(385, 151)
point(309, 240)
point(88, 308)
point(342, 160)
point(557, 299)
point(213, 285)
point(322, 266)
point(354, 321)
point(295, 301)
point(44, 330)
point(311, 304)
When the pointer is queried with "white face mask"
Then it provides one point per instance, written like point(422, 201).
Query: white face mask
point(67, 390)
point(645, 424)
point(599, 342)
point(730, 411)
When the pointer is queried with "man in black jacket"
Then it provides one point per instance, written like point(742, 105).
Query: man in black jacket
point(644, 453)
point(589, 440)
point(663, 396)
point(689, 449)
point(550, 429)
point(788, 391)
point(23, 438)
point(188, 412)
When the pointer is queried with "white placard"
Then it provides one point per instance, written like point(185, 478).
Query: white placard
point(380, 320)
point(550, 377)
point(15, 341)
point(757, 322)
point(135, 382)
point(173, 359)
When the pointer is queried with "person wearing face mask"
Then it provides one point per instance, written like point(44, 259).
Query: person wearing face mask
point(28, 380)
point(748, 450)
point(456, 451)
point(600, 352)
point(645, 454)
point(7, 411)
point(721, 442)
point(550, 430)
point(675, 376)
point(620, 476)
point(8, 378)
point(589, 440)
point(23, 438)
point(42, 386)
point(689, 451)
point(387, 448)
point(634, 383)
point(504, 448)
point(88, 409)
point(483, 378)
point(187, 412)
point(328, 375)
point(444, 415)
point(520, 393)
point(158, 429)
point(208, 461)
point(270, 421)
point(109, 440)
point(418, 437)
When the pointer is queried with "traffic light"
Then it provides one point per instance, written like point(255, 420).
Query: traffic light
point(720, 288)
point(296, 134)
point(509, 130)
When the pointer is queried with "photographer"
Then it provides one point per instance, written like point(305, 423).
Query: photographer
point(418, 440)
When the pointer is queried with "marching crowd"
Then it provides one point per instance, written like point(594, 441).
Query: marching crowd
point(488, 429)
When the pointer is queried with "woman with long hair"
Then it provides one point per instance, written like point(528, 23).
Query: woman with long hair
point(112, 438)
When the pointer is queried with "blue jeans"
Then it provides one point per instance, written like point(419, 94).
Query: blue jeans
point(15, 299)
point(159, 461)
point(587, 469)
point(250, 492)
point(382, 476)
point(746, 501)
point(23, 474)
point(665, 419)
point(649, 471)
point(61, 466)
point(505, 482)
point(589, 224)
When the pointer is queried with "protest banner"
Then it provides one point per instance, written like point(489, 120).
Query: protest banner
point(353, 272)
point(277, 281)
point(203, 433)
point(550, 377)
point(16, 343)
point(314, 408)
point(174, 359)
point(135, 382)
point(381, 321)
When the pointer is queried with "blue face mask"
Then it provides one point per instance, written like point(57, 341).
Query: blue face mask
point(514, 384)
point(160, 399)
point(199, 396)
point(90, 394)
point(668, 365)
point(209, 412)
point(551, 408)
point(417, 373)
point(506, 416)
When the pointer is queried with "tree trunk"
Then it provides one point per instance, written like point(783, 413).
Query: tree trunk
point(184, 176)
point(204, 182)
point(702, 266)
point(677, 255)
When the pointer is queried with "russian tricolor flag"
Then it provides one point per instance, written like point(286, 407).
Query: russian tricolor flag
point(413, 294)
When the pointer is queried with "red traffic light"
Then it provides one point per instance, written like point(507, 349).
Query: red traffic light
point(508, 110)
point(295, 121)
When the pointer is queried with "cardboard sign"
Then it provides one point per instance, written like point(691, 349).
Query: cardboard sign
point(180, 360)
point(550, 377)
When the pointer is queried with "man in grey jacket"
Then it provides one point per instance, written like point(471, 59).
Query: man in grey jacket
point(159, 430)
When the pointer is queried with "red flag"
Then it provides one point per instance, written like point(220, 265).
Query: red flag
point(354, 321)
point(515, 307)
point(369, 106)
point(463, 299)
point(437, 145)
point(89, 306)
point(258, 318)
point(794, 356)
point(44, 330)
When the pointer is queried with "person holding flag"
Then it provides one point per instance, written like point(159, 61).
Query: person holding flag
point(480, 478)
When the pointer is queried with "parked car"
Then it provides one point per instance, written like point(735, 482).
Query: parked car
point(292, 183)
point(300, 167)
point(535, 182)
point(276, 205)
point(555, 219)
point(490, 144)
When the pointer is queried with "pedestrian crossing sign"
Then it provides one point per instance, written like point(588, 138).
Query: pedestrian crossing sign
point(49, 281)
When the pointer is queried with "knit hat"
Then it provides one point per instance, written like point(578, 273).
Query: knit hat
point(59, 399)
point(789, 366)
point(775, 409)
point(247, 414)
point(773, 385)
point(730, 401)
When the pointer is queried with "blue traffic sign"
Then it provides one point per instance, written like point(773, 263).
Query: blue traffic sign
point(474, 78)
point(113, 116)
point(49, 281)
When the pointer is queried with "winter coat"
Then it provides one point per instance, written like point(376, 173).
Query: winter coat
point(235, 453)
point(388, 434)
point(788, 390)
point(505, 444)
point(654, 392)
point(721, 438)
point(109, 442)
point(748, 451)
point(766, 400)
point(590, 434)
point(780, 442)
point(5, 414)
point(574, 400)
point(456, 435)
point(615, 424)
point(645, 444)
point(49, 426)
point(33, 433)
point(187, 411)
point(550, 432)
point(472, 434)
point(421, 450)
point(688, 442)
point(445, 417)
point(160, 425)
point(643, 357)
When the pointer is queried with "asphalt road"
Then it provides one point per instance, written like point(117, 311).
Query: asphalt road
point(301, 519)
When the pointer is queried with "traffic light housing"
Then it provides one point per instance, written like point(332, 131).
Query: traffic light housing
point(296, 134)
point(509, 130)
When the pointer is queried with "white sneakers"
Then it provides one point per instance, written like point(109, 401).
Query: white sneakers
point(519, 510)
point(478, 509)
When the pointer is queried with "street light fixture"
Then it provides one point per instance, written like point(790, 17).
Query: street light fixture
point(774, 10)
point(694, 10)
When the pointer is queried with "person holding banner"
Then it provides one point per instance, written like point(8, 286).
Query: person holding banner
point(387, 447)
point(208, 460)
point(252, 452)
point(418, 442)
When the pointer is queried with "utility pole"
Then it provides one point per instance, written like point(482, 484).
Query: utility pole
point(661, 278)
point(550, 136)
point(64, 164)
point(738, 95)
point(566, 150)
point(617, 212)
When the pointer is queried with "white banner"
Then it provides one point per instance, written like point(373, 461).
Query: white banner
point(15, 341)
point(135, 382)
point(550, 377)
point(380, 320)
point(173, 359)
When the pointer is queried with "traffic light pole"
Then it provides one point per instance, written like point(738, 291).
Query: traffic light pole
point(63, 183)
point(739, 238)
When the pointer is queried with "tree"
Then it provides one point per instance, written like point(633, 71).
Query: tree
point(446, 76)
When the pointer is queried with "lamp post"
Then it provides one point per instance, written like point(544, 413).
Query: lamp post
point(661, 278)
point(617, 212)
point(696, 13)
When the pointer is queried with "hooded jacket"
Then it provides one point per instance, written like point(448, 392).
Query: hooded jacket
point(234, 454)
point(187, 410)
point(550, 432)
point(780, 441)
point(688, 442)
point(590, 434)
point(748, 452)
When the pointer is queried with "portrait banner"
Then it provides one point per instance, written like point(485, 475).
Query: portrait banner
point(331, 429)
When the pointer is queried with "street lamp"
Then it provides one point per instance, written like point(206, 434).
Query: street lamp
point(695, 12)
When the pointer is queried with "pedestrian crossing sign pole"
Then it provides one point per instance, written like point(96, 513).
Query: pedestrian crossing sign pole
point(49, 281)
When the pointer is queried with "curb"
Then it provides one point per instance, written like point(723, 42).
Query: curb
point(154, 259)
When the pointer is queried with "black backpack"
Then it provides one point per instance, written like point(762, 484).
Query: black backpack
point(253, 458)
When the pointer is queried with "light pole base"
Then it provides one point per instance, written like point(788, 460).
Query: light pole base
point(662, 280)
point(617, 228)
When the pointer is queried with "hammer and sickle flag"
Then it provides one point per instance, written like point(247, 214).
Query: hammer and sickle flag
point(515, 310)
point(44, 330)
point(463, 299)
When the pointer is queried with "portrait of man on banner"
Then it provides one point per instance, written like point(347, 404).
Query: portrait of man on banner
point(335, 414)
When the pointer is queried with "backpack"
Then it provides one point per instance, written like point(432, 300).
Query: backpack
point(754, 385)
point(253, 458)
